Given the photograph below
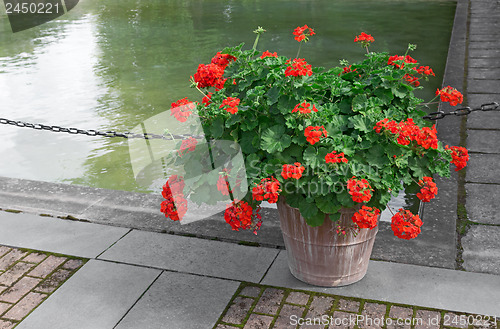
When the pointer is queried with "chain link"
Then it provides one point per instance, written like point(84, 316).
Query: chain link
point(92, 132)
point(493, 106)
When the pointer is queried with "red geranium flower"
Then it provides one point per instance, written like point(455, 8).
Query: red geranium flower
point(304, 108)
point(405, 225)
point(459, 155)
point(292, 171)
point(269, 189)
point(187, 145)
point(424, 70)
point(239, 215)
point(231, 103)
point(366, 217)
point(360, 190)
point(181, 109)
point(175, 205)
point(303, 33)
point(405, 59)
point(222, 60)
point(449, 94)
point(428, 190)
point(268, 54)
point(208, 75)
point(299, 67)
point(314, 133)
point(333, 157)
point(412, 80)
point(207, 99)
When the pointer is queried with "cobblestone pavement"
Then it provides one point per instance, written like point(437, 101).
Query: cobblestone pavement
point(263, 307)
point(27, 278)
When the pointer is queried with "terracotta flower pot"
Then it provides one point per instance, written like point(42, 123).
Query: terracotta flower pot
point(320, 256)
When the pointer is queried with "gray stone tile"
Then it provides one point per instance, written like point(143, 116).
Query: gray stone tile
point(480, 119)
point(192, 255)
point(408, 284)
point(484, 86)
point(486, 62)
point(175, 301)
point(482, 249)
point(487, 74)
point(484, 45)
point(482, 203)
point(483, 141)
point(483, 168)
point(483, 37)
point(57, 235)
point(96, 297)
point(478, 53)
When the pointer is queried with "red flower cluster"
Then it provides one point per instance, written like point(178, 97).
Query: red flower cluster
point(364, 38)
point(181, 109)
point(360, 190)
point(304, 108)
point(333, 157)
point(449, 94)
point(412, 80)
point(314, 133)
point(292, 171)
point(299, 67)
point(347, 69)
point(459, 155)
point(207, 99)
point(366, 217)
point(211, 75)
point(269, 189)
point(268, 54)
point(175, 205)
point(187, 145)
point(238, 215)
point(424, 70)
point(222, 60)
point(407, 131)
point(231, 103)
point(406, 59)
point(428, 190)
point(405, 225)
point(302, 33)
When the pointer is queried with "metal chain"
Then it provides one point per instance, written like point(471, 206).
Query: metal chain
point(493, 106)
point(92, 132)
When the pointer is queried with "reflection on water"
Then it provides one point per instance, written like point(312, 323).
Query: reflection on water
point(112, 64)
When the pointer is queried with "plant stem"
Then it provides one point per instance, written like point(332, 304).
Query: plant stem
point(298, 52)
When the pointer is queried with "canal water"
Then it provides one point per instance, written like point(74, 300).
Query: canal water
point(110, 65)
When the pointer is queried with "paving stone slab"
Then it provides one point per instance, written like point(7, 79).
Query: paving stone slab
point(483, 120)
point(484, 44)
point(483, 141)
point(482, 203)
point(96, 297)
point(483, 37)
point(486, 62)
point(57, 235)
point(175, 301)
point(487, 74)
point(483, 168)
point(408, 284)
point(484, 86)
point(482, 249)
point(192, 255)
point(478, 53)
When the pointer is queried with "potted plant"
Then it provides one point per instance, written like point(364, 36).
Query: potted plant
point(329, 146)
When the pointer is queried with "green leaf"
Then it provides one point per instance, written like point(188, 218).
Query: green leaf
point(273, 95)
point(217, 127)
point(384, 94)
point(361, 123)
point(274, 139)
point(328, 204)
